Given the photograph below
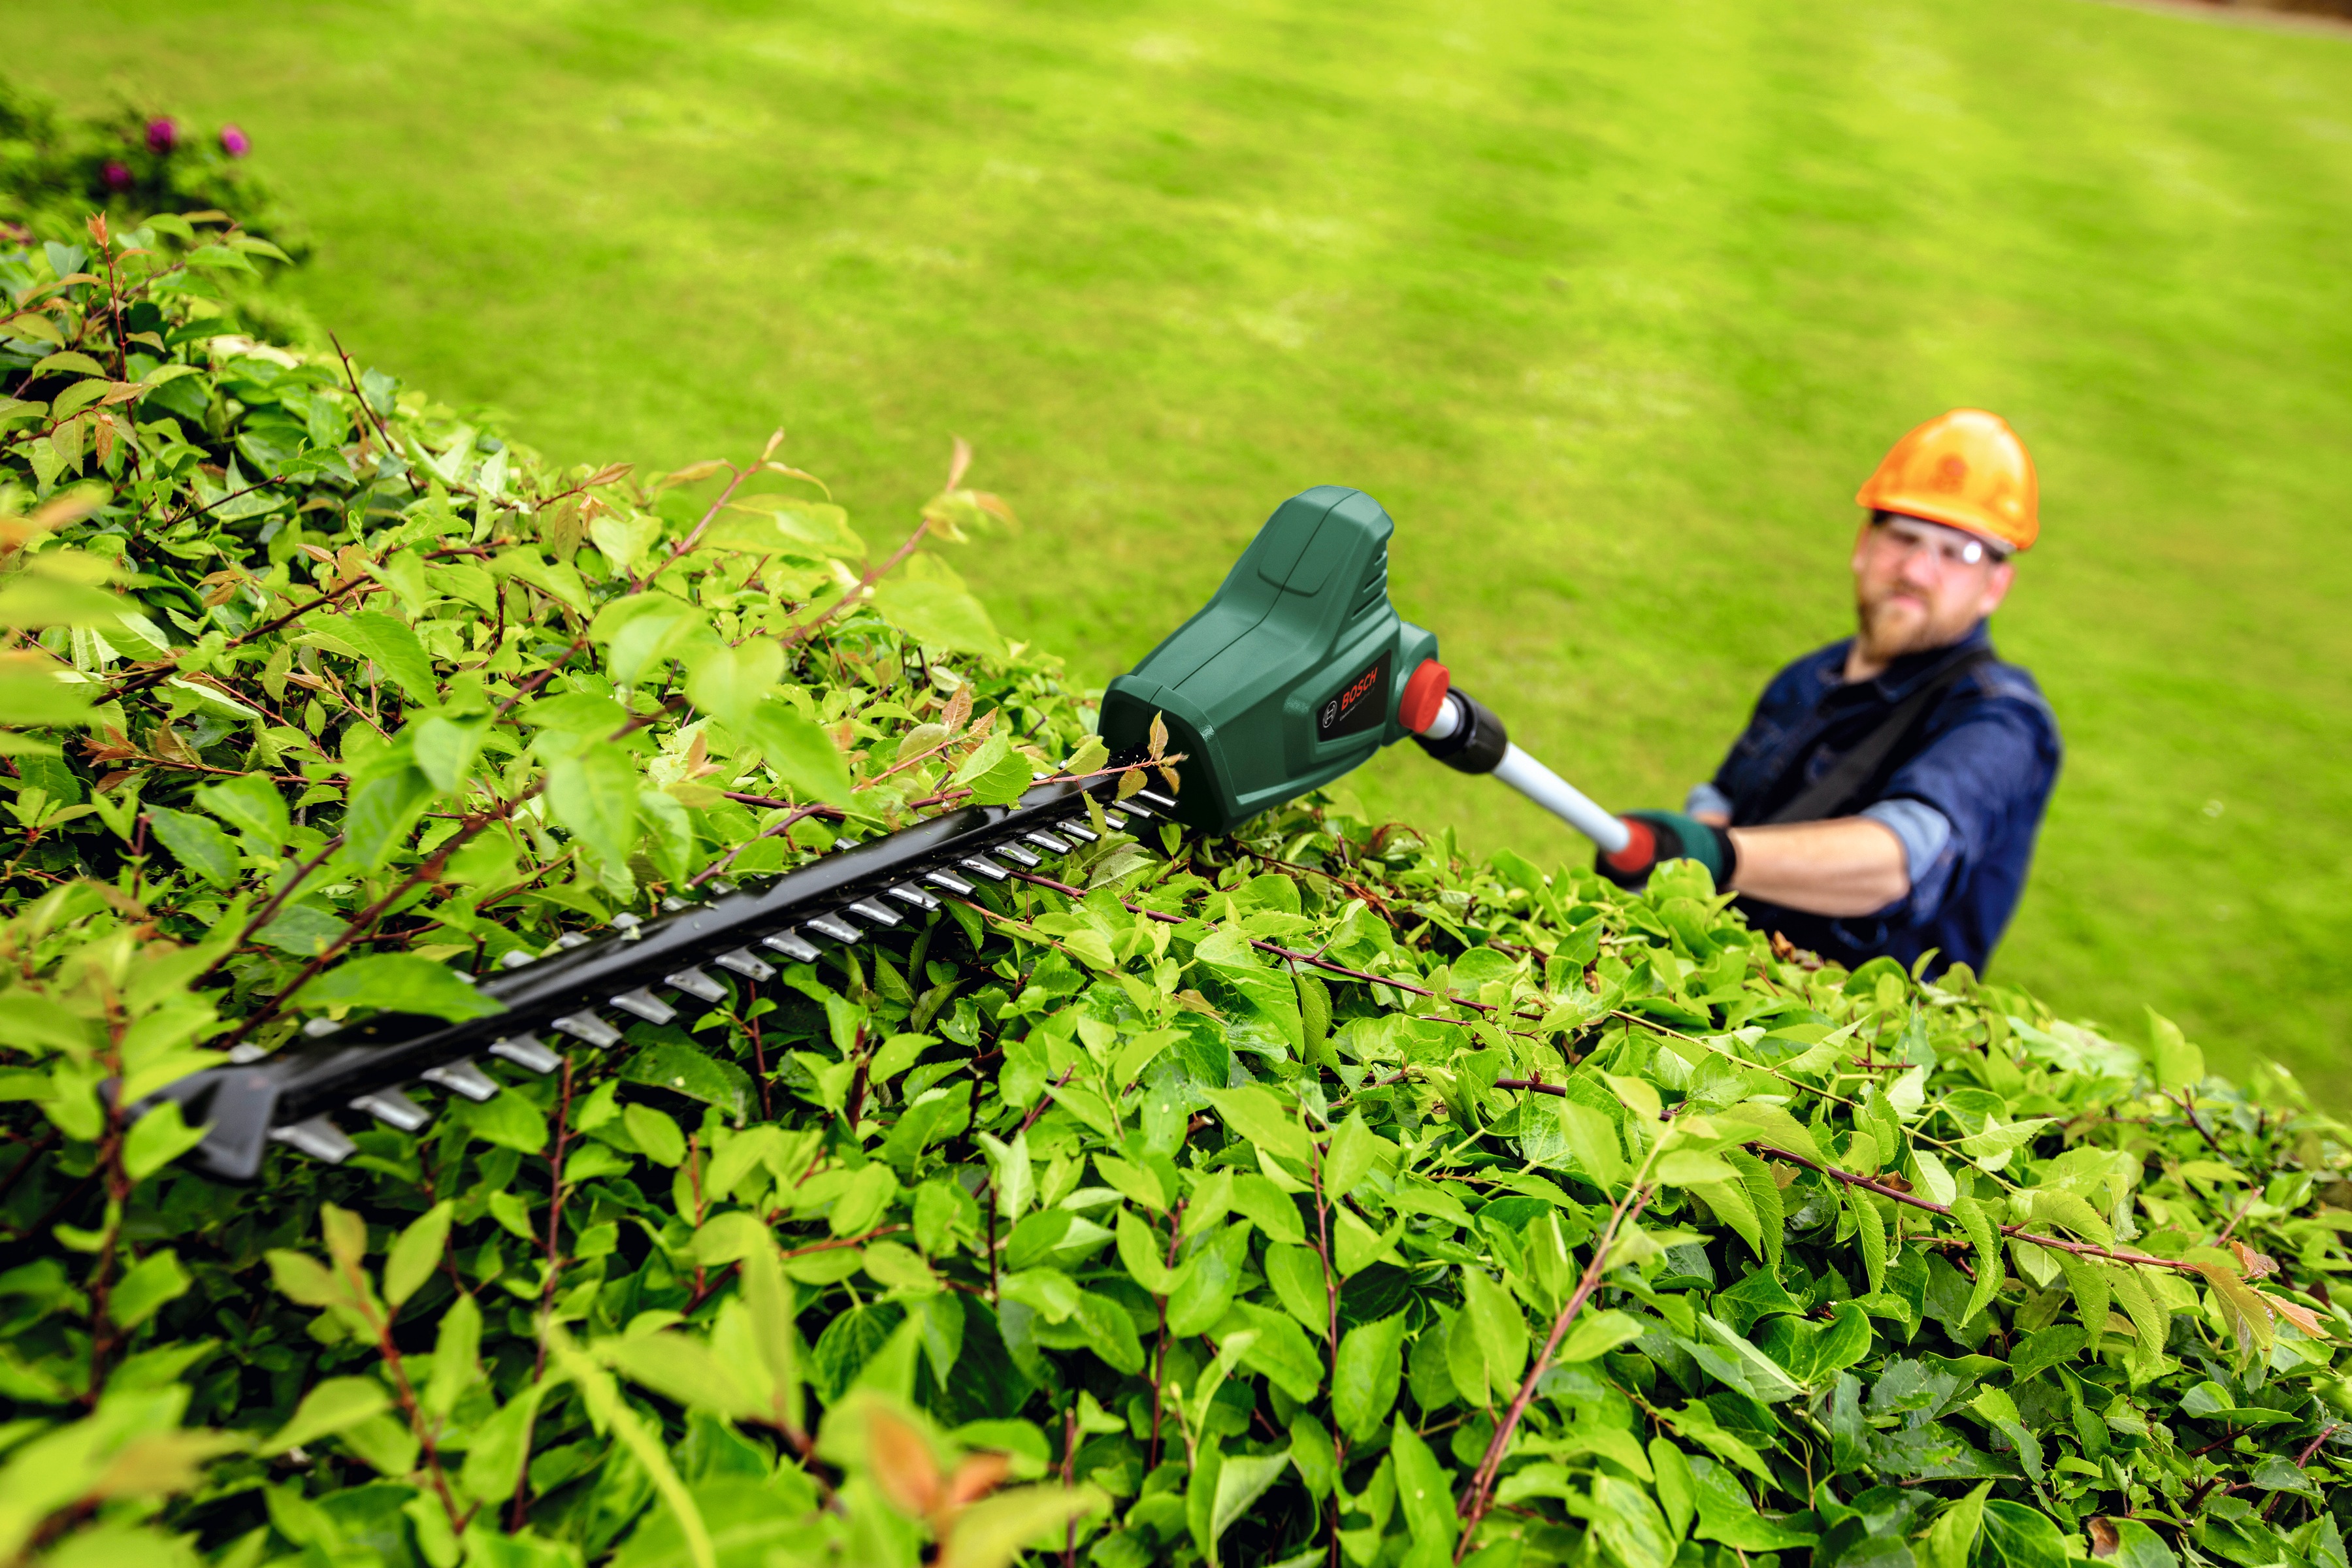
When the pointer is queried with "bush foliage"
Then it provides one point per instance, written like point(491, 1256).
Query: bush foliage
point(1309, 1195)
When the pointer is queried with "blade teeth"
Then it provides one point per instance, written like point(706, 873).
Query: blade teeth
point(644, 1003)
point(1047, 841)
point(317, 1137)
point(320, 1028)
point(720, 887)
point(1155, 800)
point(743, 961)
point(913, 896)
point(985, 867)
point(570, 939)
point(670, 906)
point(1114, 818)
point(835, 927)
point(462, 1077)
point(793, 945)
point(694, 983)
point(515, 958)
point(867, 909)
point(238, 1055)
point(525, 1051)
point(394, 1109)
point(950, 882)
point(1018, 855)
point(1078, 830)
point(626, 923)
point(588, 1029)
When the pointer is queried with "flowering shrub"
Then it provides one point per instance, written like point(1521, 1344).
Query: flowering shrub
point(1311, 1195)
point(54, 171)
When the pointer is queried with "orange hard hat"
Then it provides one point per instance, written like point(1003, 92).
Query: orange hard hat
point(1966, 470)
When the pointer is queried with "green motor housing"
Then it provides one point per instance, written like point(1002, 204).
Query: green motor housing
point(1289, 677)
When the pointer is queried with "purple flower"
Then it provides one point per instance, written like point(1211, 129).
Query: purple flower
point(163, 135)
point(117, 177)
point(235, 142)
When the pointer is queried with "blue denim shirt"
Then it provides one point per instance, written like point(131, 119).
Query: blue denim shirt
point(1966, 800)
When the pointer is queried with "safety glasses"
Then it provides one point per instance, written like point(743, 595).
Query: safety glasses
point(1945, 547)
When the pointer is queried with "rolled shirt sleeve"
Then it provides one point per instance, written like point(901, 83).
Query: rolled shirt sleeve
point(1980, 784)
point(1704, 797)
point(1924, 830)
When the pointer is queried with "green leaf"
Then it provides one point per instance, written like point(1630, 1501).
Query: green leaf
point(771, 525)
point(383, 808)
point(1991, 1271)
point(1759, 1123)
point(335, 1405)
point(939, 616)
point(1268, 1207)
point(250, 804)
point(417, 1253)
point(397, 983)
point(494, 1459)
point(1365, 1380)
point(770, 1299)
point(2016, 1536)
point(2137, 1546)
point(456, 1356)
point(1312, 1451)
point(1354, 1145)
point(392, 647)
point(1870, 1230)
point(1677, 1489)
point(1999, 1412)
point(803, 756)
point(1141, 1254)
point(686, 1069)
point(1726, 1514)
point(1592, 1139)
point(1211, 1274)
point(506, 1120)
point(1500, 1326)
point(682, 1370)
point(594, 796)
point(731, 682)
point(1255, 1116)
point(2180, 1066)
point(1240, 1482)
point(146, 1286)
point(993, 1533)
point(1629, 1525)
point(197, 844)
point(444, 750)
point(157, 1139)
point(31, 694)
point(1683, 1168)
point(1594, 1334)
point(1423, 1488)
point(654, 1131)
point(1005, 783)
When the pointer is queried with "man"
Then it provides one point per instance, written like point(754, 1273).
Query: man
point(1885, 796)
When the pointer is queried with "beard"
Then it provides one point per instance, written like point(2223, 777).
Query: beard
point(1892, 625)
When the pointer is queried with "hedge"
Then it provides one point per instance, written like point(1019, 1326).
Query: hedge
point(1317, 1195)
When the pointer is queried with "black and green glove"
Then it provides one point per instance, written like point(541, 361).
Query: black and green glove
point(1661, 836)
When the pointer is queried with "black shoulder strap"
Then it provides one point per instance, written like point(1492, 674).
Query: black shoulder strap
point(1833, 792)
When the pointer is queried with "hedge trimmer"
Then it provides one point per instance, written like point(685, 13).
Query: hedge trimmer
point(1286, 681)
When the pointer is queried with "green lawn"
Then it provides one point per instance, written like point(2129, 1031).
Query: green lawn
point(1611, 304)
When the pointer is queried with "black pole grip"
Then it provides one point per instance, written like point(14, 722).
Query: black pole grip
point(1478, 742)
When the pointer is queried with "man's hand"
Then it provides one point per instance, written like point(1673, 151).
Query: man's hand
point(1852, 866)
point(1668, 836)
